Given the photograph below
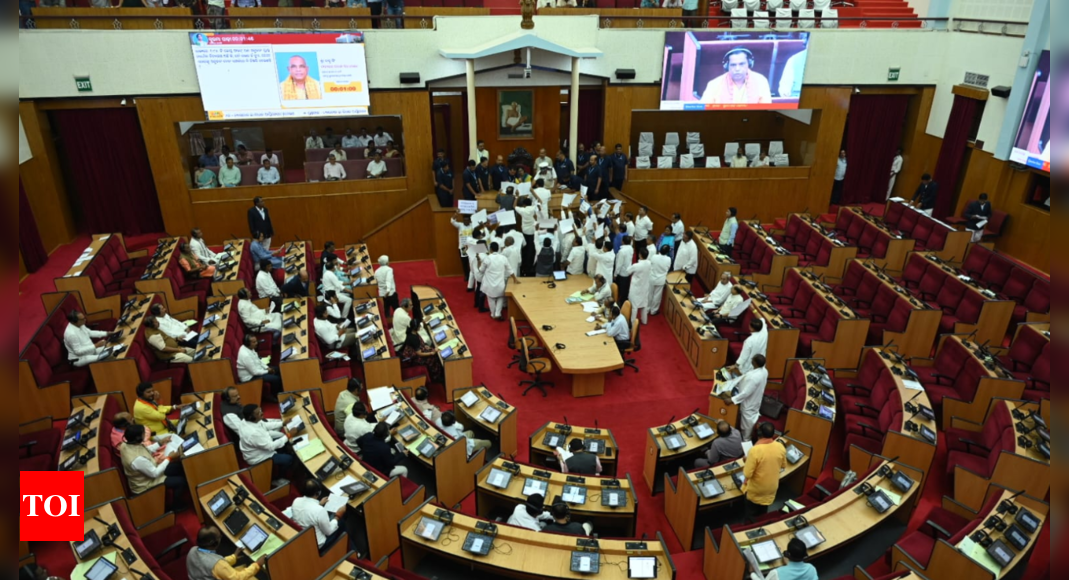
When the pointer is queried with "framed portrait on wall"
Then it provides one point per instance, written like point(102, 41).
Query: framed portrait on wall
point(517, 114)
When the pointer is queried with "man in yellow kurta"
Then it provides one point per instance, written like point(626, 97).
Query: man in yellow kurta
point(149, 413)
point(299, 86)
point(763, 466)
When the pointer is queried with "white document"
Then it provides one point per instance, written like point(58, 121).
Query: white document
point(913, 386)
point(590, 306)
point(380, 398)
point(477, 546)
point(980, 224)
point(585, 564)
point(198, 448)
point(337, 501)
point(566, 226)
point(498, 479)
point(897, 199)
point(568, 200)
point(294, 423)
point(468, 207)
point(347, 481)
point(469, 399)
point(547, 223)
point(190, 336)
point(599, 232)
point(479, 217)
point(643, 567)
point(563, 454)
point(584, 207)
point(746, 447)
point(596, 332)
point(582, 192)
point(614, 500)
point(782, 160)
point(506, 218)
point(766, 552)
point(523, 189)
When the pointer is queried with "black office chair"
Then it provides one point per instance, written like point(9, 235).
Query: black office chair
point(515, 338)
point(535, 367)
point(636, 346)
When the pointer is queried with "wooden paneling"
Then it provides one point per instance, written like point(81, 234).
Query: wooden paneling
point(834, 103)
point(547, 102)
point(426, 15)
point(120, 18)
point(42, 179)
point(624, 17)
point(620, 102)
point(800, 140)
point(320, 211)
point(406, 238)
point(919, 149)
point(446, 241)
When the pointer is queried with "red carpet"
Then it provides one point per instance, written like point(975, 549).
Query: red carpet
point(665, 388)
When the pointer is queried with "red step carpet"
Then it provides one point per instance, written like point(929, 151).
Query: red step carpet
point(665, 388)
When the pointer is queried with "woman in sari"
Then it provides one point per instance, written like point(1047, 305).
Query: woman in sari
point(205, 177)
point(192, 266)
point(417, 353)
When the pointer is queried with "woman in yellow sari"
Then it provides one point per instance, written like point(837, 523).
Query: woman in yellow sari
point(193, 267)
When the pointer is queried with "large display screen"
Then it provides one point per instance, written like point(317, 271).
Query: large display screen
point(1032, 147)
point(280, 75)
point(707, 70)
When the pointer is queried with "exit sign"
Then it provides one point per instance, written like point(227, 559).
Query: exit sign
point(84, 84)
point(893, 74)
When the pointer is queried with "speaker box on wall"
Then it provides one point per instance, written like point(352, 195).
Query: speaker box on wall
point(625, 74)
point(409, 78)
point(1001, 91)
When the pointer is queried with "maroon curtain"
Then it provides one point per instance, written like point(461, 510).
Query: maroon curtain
point(109, 170)
point(33, 250)
point(952, 154)
point(873, 134)
point(591, 122)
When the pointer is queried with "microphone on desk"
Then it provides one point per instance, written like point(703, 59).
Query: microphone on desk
point(233, 237)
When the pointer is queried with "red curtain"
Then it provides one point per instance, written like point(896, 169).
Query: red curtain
point(873, 134)
point(33, 251)
point(109, 170)
point(952, 154)
point(591, 119)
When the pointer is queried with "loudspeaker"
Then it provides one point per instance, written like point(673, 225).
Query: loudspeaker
point(625, 74)
point(409, 78)
point(1001, 92)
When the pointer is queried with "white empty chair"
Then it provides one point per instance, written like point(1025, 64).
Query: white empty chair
point(782, 160)
point(693, 137)
point(669, 151)
point(806, 18)
point(760, 20)
point(712, 162)
point(752, 5)
point(829, 18)
point(730, 149)
point(665, 162)
point(775, 148)
point(752, 151)
point(686, 161)
point(798, 5)
point(773, 5)
point(645, 149)
point(671, 139)
point(728, 5)
point(697, 149)
point(645, 137)
point(738, 18)
point(821, 5)
point(642, 162)
point(784, 17)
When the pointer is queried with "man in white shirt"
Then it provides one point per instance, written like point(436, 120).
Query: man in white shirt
point(480, 152)
point(382, 138)
point(896, 168)
point(602, 257)
point(528, 213)
point(622, 270)
point(350, 141)
point(364, 138)
point(332, 282)
point(643, 225)
point(531, 515)
point(660, 265)
point(314, 141)
point(339, 153)
point(261, 439)
point(496, 272)
point(543, 159)
point(200, 249)
point(170, 326)
point(268, 174)
point(601, 289)
point(720, 294)
point(619, 329)
point(756, 344)
point(269, 155)
point(334, 171)
point(734, 300)
point(387, 286)
point(377, 168)
point(251, 366)
point(748, 395)
point(257, 319)
point(639, 273)
point(575, 262)
point(266, 287)
point(356, 426)
point(464, 228)
point(687, 256)
point(333, 336)
point(83, 345)
point(840, 178)
point(512, 250)
point(448, 425)
point(344, 404)
point(309, 512)
point(402, 318)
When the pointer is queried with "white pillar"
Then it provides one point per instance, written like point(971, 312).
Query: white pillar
point(573, 104)
point(473, 132)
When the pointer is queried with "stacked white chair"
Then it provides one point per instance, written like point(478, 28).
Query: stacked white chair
point(727, 6)
point(806, 19)
point(712, 162)
point(739, 18)
point(775, 148)
point(773, 5)
point(752, 5)
point(686, 161)
point(665, 162)
point(642, 162)
point(784, 18)
point(645, 149)
point(752, 151)
point(829, 18)
point(693, 137)
point(696, 149)
point(760, 20)
point(798, 5)
point(671, 139)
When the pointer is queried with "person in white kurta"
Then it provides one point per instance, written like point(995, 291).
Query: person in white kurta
point(720, 294)
point(81, 350)
point(512, 250)
point(256, 318)
point(756, 344)
point(332, 282)
point(640, 287)
point(660, 265)
point(496, 271)
point(602, 260)
point(749, 393)
point(687, 257)
point(576, 258)
point(896, 168)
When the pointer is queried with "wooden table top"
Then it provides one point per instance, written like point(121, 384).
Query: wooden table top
point(538, 554)
point(977, 353)
point(1037, 508)
point(557, 481)
point(485, 399)
point(677, 291)
point(412, 418)
point(90, 404)
point(693, 442)
point(203, 421)
point(295, 258)
point(372, 318)
point(221, 316)
point(1028, 423)
point(430, 296)
point(711, 246)
point(237, 252)
point(231, 487)
point(357, 256)
point(723, 475)
point(899, 371)
point(83, 261)
point(612, 450)
point(99, 520)
point(808, 221)
point(297, 309)
point(348, 571)
point(135, 315)
point(544, 306)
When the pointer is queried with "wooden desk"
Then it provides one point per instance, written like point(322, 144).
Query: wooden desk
point(356, 255)
point(458, 373)
point(543, 455)
point(898, 247)
point(294, 259)
point(76, 280)
point(503, 431)
point(995, 313)
point(994, 383)
point(99, 519)
point(782, 337)
point(114, 19)
point(346, 570)
point(618, 522)
point(712, 263)
point(957, 242)
point(533, 555)
point(851, 333)
point(119, 372)
point(782, 260)
point(382, 505)
point(216, 460)
point(229, 283)
point(841, 520)
point(808, 426)
point(488, 200)
point(923, 325)
point(705, 350)
point(384, 369)
point(96, 488)
point(841, 254)
point(658, 453)
point(624, 17)
point(158, 281)
point(684, 502)
point(586, 358)
point(213, 372)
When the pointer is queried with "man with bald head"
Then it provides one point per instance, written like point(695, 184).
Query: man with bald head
point(297, 286)
point(299, 86)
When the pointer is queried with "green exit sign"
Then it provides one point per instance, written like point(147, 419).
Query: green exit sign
point(893, 74)
point(84, 84)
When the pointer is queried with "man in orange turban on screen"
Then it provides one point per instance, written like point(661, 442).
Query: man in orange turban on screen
point(299, 86)
point(739, 85)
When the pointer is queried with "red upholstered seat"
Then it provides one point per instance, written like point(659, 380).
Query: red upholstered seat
point(1018, 285)
point(908, 223)
point(42, 443)
point(871, 368)
point(983, 465)
point(932, 282)
point(869, 434)
point(976, 261)
point(1037, 301)
point(894, 214)
point(37, 463)
point(914, 271)
point(920, 544)
point(997, 272)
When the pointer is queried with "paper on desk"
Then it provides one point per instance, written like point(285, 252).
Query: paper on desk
point(468, 207)
point(190, 335)
point(337, 489)
point(380, 397)
point(299, 442)
point(591, 319)
point(596, 332)
point(413, 448)
point(506, 218)
point(294, 423)
point(79, 571)
point(469, 399)
point(590, 307)
point(897, 199)
point(272, 545)
point(766, 552)
point(913, 385)
point(313, 449)
point(198, 448)
point(894, 497)
point(643, 567)
point(479, 218)
point(979, 554)
point(568, 200)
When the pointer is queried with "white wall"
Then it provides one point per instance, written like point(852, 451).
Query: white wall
point(920, 7)
point(24, 147)
point(1006, 10)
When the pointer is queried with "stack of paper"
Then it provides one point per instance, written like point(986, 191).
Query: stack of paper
point(380, 398)
point(313, 449)
point(590, 307)
point(596, 332)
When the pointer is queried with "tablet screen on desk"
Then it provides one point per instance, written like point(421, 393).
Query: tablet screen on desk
point(535, 486)
point(286, 354)
point(287, 405)
point(429, 529)
point(560, 276)
point(642, 568)
point(826, 413)
point(219, 503)
point(499, 479)
point(88, 546)
point(447, 353)
point(101, 570)
point(254, 539)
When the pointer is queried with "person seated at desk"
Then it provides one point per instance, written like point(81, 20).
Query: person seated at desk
point(205, 177)
point(269, 155)
point(762, 160)
point(344, 405)
point(402, 318)
point(192, 266)
point(448, 424)
point(334, 171)
point(726, 446)
point(351, 141)
point(79, 341)
point(328, 255)
point(309, 512)
point(149, 413)
point(156, 445)
point(205, 564)
point(977, 211)
point(719, 295)
point(734, 300)
point(339, 153)
point(266, 286)
point(740, 161)
point(297, 286)
point(260, 252)
point(380, 453)
point(521, 175)
point(382, 138)
point(582, 462)
point(796, 568)
point(250, 366)
point(333, 337)
point(377, 168)
point(619, 329)
point(165, 348)
point(244, 155)
point(143, 471)
point(531, 515)
point(391, 151)
point(416, 353)
point(357, 424)
point(200, 248)
point(262, 440)
point(268, 174)
point(331, 282)
point(562, 522)
point(229, 175)
point(257, 319)
point(601, 289)
point(423, 404)
point(231, 403)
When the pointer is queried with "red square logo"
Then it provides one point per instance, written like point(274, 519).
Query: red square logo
point(52, 506)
